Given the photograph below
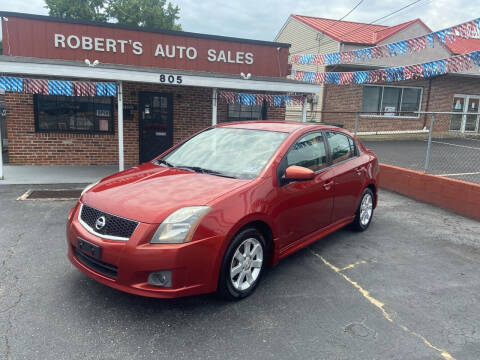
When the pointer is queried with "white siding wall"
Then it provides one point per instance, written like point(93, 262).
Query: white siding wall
point(306, 40)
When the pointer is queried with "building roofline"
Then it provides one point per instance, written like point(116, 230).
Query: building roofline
point(399, 27)
point(299, 18)
point(143, 29)
point(403, 26)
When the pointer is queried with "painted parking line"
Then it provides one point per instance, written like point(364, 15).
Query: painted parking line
point(380, 305)
point(351, 266)
point(25, 195)
point(471, 139)
point(457, 145)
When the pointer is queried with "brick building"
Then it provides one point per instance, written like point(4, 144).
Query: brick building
point(389, 106)
point(168, 85)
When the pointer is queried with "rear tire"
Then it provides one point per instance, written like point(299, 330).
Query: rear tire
point(243, 265)
point(364, 214)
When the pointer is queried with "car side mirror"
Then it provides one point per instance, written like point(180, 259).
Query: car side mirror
point(298, 173)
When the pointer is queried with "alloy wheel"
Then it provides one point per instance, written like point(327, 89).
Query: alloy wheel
point(246, 264)
point(366, 209)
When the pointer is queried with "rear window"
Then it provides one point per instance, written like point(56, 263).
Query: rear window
point(342, 147)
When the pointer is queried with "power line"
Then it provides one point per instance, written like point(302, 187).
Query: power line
point(344, 16)
point(364, 25)
point(333, 24)
point(335, 66)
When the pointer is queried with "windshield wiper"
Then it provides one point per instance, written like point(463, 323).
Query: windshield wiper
point(164, 162)
point(205, 171)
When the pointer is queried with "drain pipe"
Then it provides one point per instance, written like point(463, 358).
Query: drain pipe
point(214, 106)
point(1, 152)
point(121, 161)
point(1, 155)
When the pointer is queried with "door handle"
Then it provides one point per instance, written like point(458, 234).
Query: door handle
point(359, 170)
point(328, 185)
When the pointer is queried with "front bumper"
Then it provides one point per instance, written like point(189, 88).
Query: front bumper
point(194, 265)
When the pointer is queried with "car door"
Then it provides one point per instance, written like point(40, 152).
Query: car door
point(305, 206)
point(350, 173)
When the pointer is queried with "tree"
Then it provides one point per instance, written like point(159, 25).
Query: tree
point(155, 14)
point(93, 10)
point(148, 13)
point(1, 47)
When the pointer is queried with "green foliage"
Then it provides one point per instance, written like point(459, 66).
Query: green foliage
point(155, 14)
point(148, 13)
point(77, 9)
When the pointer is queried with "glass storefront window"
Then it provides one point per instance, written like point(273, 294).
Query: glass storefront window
point(244, 112)
point(79, 114)
point(391, 101)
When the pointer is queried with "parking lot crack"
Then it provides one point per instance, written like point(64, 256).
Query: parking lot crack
point(7, 341)
point(6, 274)
point(380, 305)
point(11, 250)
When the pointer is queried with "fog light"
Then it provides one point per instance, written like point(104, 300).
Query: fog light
point(160, 278)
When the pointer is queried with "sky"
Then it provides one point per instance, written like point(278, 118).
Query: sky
point(262, 19)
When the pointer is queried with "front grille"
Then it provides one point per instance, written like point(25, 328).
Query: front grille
point(97, 265)
point(114, 225)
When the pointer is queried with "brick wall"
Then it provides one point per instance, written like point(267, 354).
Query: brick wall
point(349, 99)
point(192, 112)
point(27, 147)
point(452, 194)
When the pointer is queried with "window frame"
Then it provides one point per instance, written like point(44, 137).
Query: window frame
point(362, 114)
point(356, 153)
point(327, 154)
point(111, 120)
point(263, 112)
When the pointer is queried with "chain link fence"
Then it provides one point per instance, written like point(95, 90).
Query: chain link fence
point(440, 143)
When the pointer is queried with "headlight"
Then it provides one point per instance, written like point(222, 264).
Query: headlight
point(89, 187)
point(179, 226)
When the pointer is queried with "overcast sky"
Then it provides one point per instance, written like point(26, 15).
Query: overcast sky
point(262, 19)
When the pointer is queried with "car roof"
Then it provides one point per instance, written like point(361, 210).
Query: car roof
point(281, 126)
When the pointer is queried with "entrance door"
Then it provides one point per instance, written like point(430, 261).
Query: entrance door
point(156, 124)
point(467, 119)
point(471, 117)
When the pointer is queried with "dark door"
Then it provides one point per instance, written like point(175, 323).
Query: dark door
point(306, 206)
point(156, 125)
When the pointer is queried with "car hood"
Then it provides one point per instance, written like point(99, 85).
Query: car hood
point(148, 193)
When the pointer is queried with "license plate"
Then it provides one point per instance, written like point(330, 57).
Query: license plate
point(90, 249)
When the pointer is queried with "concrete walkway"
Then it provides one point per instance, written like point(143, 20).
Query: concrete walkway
point(25, 174)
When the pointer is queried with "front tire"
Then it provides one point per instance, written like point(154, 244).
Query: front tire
point(364, 214)
point(243, 265)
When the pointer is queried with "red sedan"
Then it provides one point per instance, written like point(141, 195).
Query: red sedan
point(212, 212)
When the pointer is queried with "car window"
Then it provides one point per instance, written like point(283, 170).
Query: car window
point(309, 151)
point(341, 146)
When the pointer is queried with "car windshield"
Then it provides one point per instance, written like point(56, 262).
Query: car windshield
point(230, 152)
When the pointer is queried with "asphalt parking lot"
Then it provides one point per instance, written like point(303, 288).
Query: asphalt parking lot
point(405, 289)
point(456, 158)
